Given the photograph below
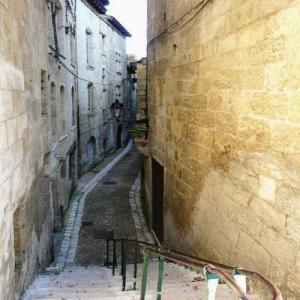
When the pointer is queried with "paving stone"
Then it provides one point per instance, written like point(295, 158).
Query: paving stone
point(86, 184)
point(109, 205)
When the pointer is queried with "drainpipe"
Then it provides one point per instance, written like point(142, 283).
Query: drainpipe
point(77, 98)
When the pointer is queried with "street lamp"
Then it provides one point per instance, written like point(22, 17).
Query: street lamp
point(116, 108)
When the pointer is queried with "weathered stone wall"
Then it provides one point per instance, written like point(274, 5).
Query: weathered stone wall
point(23, 240)
point(141, 69)
point(60, 112)
point(29, 151)
point(107, 71)
point(224, 117)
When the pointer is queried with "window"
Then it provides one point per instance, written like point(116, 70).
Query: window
point(118, 91)
point(73, 107)
point(102, 42)
point(91, 150)
point(104, 79)
point(62, 110)
point(118, 63)
point(72, 50)
point(89, 48)
point(103, 75)
point(105, 115)
point(53, 108)
point(91, 97)
point(44, 102)
point(60, 21)
point(63, 169)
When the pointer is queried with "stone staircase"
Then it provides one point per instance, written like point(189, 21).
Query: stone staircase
point(98, 283)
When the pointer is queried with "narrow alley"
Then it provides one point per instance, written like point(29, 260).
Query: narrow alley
point(149, 149)
point(107, 207)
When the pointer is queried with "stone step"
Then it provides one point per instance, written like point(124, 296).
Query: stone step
point(184, 295)
point(106, 271)
point(167, 269)
point(98, 283)
point(118, 278)
point(65, 294)
point(94, 280)
point(94, 283)
point(80, 297)
point(117, 286)
point(168, 295)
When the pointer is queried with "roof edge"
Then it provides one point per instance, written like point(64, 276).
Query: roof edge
point(117, 25)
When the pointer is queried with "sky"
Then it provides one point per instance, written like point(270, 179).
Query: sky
point(132, 14)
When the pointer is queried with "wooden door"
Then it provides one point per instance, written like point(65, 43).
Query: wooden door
point(158, 200)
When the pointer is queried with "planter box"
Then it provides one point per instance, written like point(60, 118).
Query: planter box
point(142, 146)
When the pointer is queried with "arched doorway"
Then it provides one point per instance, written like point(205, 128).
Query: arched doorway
point(119, 137)
point(105, 147)
point(91, 150)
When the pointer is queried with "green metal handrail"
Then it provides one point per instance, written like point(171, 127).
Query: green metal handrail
point(216, 269)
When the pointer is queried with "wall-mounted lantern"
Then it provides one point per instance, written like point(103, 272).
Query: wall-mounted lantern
point(117, 109)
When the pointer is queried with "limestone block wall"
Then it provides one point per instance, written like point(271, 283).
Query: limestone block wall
point(31, 155)
point(224, 121)
point(60, 114)
point(141, 89)
point(25, 229)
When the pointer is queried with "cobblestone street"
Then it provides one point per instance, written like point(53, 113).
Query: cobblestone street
point(107, 206)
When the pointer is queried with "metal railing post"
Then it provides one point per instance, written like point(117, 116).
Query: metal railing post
point(124, 266)
point(135, 265)
point(145, 273)
point(114, 257)
point(122, 257)
point(160, 277)
point(107, 253)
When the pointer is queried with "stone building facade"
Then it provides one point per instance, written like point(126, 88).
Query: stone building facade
point(141, 74)
point(37, 135)
point(130, 97)
point(61, 111)
point(102, 64)
point(223, 87)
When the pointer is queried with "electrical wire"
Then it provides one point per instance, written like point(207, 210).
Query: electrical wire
point(177, 26)
point(61, 63)
point(56, 55)
point(193, 17)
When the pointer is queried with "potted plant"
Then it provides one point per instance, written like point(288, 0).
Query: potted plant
point(139, 134)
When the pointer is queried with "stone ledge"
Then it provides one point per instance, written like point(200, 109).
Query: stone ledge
point(141, 226)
